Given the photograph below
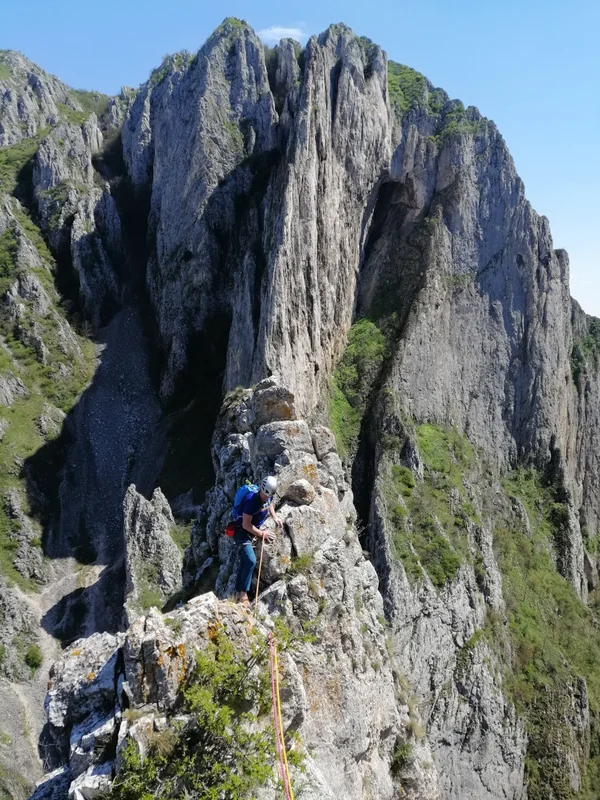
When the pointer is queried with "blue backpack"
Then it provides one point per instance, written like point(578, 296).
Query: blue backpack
point(239, 498)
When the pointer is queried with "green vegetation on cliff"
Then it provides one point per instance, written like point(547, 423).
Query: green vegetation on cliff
point(555, 643)
point(48, 364)
point(429, 517)
point(586, 351)
point(227, 748)
point(353, 381)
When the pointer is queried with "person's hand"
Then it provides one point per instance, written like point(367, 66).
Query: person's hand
point(278, 521)
point(267, 536)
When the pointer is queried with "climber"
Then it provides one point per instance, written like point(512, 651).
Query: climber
point(255, 507)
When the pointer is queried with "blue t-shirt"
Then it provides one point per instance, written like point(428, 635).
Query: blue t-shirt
point(257, 508)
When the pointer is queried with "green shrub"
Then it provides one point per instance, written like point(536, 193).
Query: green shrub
point(401, 759)
point(34, 656)
point(586, 351)
point(221, 754)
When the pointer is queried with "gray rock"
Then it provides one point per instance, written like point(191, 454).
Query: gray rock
point(153, 560)
point(323, 442)
point(301, 492)
point(83, 682)
point(55, 785)
point(31, 98)
point(275, 437)
point(11, 388)
point(272, 403)
point(94, 783)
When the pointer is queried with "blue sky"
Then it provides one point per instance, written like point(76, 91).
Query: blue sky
point(531, 66)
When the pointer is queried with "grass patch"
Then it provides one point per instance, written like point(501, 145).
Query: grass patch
point(301, 564)
point(14, 159)
point(401, 759)
point(149, 595)
point(72, 115)
point(429, 528)
point(353, 381)
point(91, 102)
point(181, 535)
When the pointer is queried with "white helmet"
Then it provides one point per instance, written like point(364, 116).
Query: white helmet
point(269, 485)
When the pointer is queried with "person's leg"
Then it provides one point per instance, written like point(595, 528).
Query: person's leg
point(247, 564)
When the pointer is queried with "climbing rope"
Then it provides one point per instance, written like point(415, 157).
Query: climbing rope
point(279, 737)
point(262, 547)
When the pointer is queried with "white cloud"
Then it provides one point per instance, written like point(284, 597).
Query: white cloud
point(273, 34)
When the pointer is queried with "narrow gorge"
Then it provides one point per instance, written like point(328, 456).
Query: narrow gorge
point(310, 262)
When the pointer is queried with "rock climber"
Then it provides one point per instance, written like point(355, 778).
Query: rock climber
point(255, 509)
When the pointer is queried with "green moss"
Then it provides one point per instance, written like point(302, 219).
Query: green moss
point(5, 73)
point(353, 381)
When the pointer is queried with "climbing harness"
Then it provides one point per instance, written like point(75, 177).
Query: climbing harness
point(279, 737)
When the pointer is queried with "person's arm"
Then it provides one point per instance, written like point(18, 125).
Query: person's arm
point(277, 518)
point(253, 530)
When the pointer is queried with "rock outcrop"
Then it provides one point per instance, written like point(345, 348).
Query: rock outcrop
point(78, 213)
point(153, 562)
point(263, 199)
point(341, 691)
point(31, 98)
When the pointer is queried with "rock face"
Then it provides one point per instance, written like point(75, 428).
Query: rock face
point(77, 214)
point(153, 561)
point(265, 193)
point(30, 98)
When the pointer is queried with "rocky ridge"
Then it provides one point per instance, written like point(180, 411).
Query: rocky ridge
point(341, 692)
